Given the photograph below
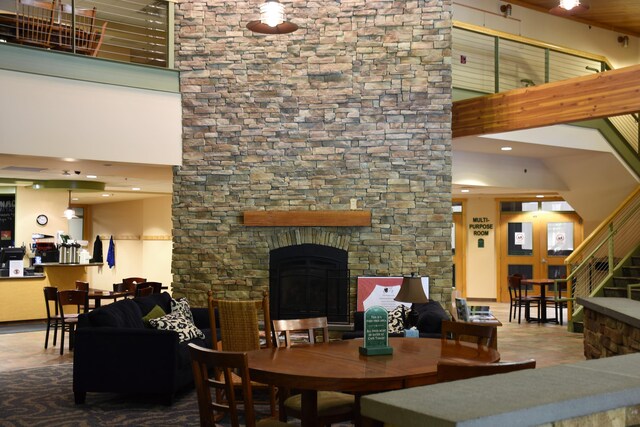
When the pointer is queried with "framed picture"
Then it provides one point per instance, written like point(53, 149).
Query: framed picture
point(374, 290)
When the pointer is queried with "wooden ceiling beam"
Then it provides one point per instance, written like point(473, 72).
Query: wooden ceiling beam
point(606, 94)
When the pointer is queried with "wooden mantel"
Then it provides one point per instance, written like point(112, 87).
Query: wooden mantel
point(307, 218)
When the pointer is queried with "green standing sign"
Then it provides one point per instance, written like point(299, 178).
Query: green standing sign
point(376, 334)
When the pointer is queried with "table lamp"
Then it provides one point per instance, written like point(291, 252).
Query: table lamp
point(411, 291)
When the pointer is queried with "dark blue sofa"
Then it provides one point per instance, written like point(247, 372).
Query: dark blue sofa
point(115, 352)
point(430, 317)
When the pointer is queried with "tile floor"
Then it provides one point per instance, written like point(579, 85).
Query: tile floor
point(549, 344)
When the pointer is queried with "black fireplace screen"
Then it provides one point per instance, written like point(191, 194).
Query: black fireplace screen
point(309, 281)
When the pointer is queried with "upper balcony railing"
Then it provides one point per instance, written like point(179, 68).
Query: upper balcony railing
point(486, 61)
point(134, 31)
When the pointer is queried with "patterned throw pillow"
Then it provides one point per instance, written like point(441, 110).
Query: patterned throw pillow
point(396, 319)
point(176, 321)
point(182, 306)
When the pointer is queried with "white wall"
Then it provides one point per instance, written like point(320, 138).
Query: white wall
point(481, 262)
point(91, 121)
point(140, 229)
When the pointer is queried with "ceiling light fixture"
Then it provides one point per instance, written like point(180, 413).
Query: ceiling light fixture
point(506, 148)
point(464, 190)
point(69, 213)
point(92, 176)
point(272, 20)
point(569, 4)
point(568, 8)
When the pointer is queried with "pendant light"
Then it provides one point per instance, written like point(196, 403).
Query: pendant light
point(69, 213)
point(272, 20)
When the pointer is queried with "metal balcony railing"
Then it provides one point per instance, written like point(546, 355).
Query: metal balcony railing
point(486, 61)
point(134, 31)
point(594, 262)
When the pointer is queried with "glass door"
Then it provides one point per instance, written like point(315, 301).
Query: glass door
point(535, 242)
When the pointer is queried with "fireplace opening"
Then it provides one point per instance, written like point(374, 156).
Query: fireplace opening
point(309, 280)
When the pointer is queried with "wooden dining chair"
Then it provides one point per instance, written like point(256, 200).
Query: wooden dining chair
point(559, 299)
point(157, 286)
point(76, 302)
point(519, 298)
point(333, 406)
point(449, 370)
point(88, 36)
point(121, 287)
point(84, 286)
point(230, 372)
point(53, 318)
point(34, 22)
point(239, 331)
point(469, 332)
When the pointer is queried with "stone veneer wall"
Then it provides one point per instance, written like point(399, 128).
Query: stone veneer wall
point(356, 104)
point(605, 336)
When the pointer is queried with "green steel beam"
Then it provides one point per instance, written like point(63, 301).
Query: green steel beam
point(97, 70)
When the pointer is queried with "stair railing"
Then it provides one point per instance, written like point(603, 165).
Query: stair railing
point(593, 263)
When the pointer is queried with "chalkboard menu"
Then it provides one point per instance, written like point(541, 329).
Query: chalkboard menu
point(7, 219)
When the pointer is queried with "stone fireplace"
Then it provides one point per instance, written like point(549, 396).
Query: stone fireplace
point(352, 110)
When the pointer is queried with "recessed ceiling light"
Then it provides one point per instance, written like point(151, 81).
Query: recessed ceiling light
point(464, 190)
point(75, 199)
point(135, 189)
point(540, 196)
point(92, 176)
point(106, 195)
point(506, 148)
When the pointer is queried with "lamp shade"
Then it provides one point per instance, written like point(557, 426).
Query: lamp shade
point(411, 290)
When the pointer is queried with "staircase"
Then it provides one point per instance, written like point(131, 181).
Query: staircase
point(626, 285)
point(608, 261)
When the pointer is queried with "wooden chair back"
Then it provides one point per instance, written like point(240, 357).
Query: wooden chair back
point(144, 291)
point(133, 280)
point(469, 332)
point(72, 297)
point(224, 364)
point(156, 286)
point(82, 286)
point(239, 330)
point(449, 370)
point(310, 326)
point(34, 22)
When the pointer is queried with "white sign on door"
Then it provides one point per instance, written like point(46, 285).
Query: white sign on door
point(518, 238)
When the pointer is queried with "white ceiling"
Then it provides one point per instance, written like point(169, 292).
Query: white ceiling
point(119, 178)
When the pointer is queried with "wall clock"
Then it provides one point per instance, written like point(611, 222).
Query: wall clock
point(42, 219)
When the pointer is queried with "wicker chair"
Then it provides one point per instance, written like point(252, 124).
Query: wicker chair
point(239, 331)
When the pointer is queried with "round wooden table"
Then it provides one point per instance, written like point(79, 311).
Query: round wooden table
point(338, 366)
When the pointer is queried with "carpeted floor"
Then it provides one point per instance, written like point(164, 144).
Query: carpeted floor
point(44, 397)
